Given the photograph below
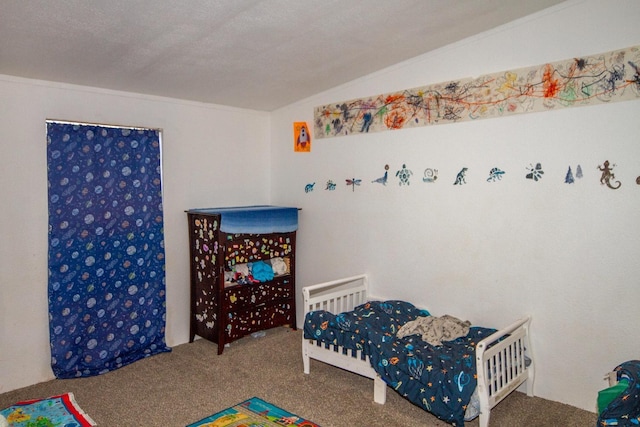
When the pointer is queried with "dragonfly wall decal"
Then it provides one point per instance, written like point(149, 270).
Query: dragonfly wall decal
point(353, 182)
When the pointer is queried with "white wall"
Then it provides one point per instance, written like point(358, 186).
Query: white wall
point(489, 252)
point(212, 156)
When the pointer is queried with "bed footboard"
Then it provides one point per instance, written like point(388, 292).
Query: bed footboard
point(338, 296)
point(503, 363)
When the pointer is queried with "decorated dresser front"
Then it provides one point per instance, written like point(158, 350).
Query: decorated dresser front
point(241, 282)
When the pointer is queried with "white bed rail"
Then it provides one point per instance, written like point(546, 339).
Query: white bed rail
point(502, 366)
point(338, 296)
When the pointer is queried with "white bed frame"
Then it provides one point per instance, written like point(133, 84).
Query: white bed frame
point(500, 361)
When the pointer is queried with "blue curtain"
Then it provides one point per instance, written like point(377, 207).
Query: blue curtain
point(107, 305)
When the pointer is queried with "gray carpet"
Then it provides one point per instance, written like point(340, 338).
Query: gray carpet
point(192, 382)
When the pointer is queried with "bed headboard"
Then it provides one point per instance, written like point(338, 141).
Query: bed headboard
point(336, 296)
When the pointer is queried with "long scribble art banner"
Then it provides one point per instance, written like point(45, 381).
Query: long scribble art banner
point(607, 77)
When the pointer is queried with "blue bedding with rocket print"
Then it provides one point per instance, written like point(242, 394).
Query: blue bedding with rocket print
point(439, 379)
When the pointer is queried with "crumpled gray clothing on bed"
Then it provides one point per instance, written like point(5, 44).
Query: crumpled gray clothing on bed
point(434, 330)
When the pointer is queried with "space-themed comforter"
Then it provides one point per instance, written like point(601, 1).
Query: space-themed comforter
point(439, 379)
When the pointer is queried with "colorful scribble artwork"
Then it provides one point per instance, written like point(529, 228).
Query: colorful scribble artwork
point(607, 177)
point(301, 137)
point(606, 77)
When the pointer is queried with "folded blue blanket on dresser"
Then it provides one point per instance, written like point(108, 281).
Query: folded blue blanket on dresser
point(261, 219)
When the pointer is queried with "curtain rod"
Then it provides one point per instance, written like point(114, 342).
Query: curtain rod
point(100, 124)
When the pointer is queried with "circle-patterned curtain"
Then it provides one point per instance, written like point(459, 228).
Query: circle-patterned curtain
point(107, 305)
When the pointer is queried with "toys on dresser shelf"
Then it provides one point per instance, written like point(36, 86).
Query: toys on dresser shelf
point(256, 272)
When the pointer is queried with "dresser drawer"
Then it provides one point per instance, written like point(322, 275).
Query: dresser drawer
point(258, 318)
point(239, 297)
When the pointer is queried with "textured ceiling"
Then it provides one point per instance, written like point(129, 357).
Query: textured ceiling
point(257, 54)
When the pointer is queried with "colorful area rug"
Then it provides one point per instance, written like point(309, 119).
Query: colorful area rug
point(254, 413)
point(54, 411)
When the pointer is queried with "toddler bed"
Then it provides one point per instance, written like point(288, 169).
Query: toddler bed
point(345, 328)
